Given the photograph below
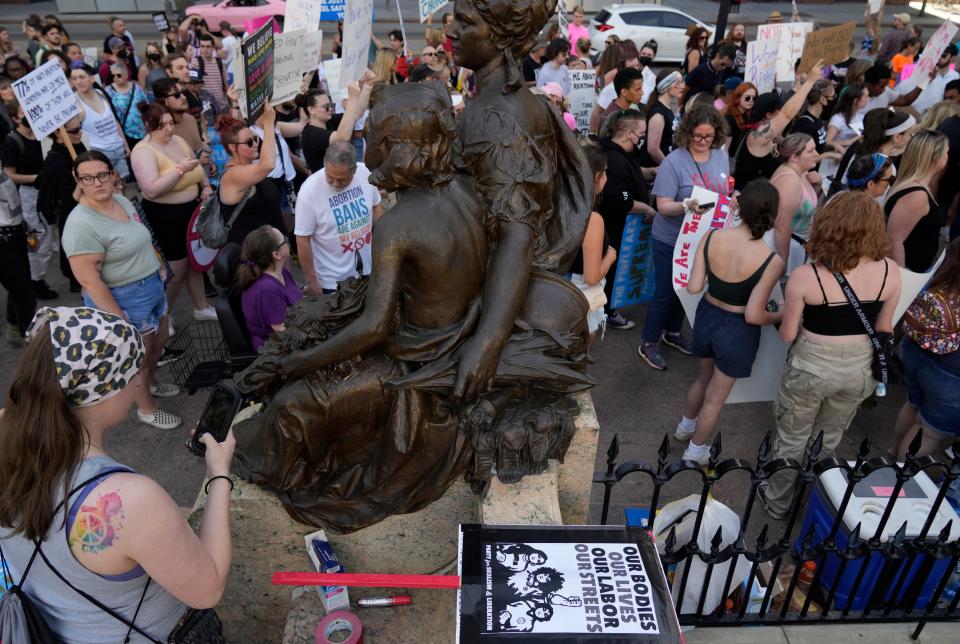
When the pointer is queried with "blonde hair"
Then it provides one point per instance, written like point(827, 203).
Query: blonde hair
point(938, 114)
point(924, 150)
point(383, 66)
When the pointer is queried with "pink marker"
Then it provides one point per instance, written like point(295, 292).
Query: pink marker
point(376, 602)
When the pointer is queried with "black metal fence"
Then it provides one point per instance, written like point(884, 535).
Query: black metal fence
point(901, 578)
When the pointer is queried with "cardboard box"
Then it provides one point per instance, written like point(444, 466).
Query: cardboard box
point(324, 560)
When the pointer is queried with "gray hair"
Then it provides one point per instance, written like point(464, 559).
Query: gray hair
point(341, 153)
point(119, 68)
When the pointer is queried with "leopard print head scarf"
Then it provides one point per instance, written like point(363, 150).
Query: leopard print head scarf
point(97, 353)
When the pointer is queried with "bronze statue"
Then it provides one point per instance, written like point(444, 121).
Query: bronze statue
point(459, 352)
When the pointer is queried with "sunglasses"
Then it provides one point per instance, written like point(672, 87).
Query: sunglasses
point(749, 99)
point(102, 177)
point(251, 142)
point(119, 75)
point(174, 95)
point(430, 53)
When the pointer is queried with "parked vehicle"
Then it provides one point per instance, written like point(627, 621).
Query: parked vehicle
point(641, 23)
point(237, 11)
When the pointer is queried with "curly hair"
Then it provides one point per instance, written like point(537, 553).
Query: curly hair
point(847, 230)
point(733, 102)
point(414, 124)
point(701, 115)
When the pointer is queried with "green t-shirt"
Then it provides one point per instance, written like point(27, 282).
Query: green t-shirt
point(127, 249)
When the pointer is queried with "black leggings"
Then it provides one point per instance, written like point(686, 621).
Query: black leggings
point(15, 277)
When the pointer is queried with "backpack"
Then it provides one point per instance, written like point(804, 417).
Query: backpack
point(212, 229)
point(223, 76)
point(20, 620)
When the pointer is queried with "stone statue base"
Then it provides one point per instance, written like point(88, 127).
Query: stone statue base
point(267, 540)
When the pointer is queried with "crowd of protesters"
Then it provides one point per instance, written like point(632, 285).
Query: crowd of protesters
point(839, 180)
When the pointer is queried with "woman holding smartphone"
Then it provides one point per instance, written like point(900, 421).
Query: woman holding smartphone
point(123, 542)
point(172, 182)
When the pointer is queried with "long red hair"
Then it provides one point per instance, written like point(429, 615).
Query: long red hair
point(733, 102)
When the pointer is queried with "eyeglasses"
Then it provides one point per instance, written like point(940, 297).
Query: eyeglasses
point(703, 138)
point(885, 179)
point(102, 177)
point(281, 244)
point(251, 142)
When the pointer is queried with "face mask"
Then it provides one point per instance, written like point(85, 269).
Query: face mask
point(153, 56)
point(122, 53)
point(646, 61)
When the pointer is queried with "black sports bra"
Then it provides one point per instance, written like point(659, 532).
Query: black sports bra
point(732, 293)
point(841, 319)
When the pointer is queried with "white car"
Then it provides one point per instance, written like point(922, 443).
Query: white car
point(643, 22)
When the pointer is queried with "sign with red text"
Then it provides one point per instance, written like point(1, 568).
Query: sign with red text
point(791, 36)
point(46, 98)
point(920, 76)
point(695, 225)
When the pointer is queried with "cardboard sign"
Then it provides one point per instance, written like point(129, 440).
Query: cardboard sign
point(562, 584)
point(160, 20)
point(790, 36)
point(762, 64)
point(582, 96)
point(357, 28)
point(633, 282)
point(312, 43)
point(827, 45)
point(427, 7)
point(287, 65)
point(302, 15)
point(920, 76)
point(332, 10)
point(47, 99)
point(258, 69)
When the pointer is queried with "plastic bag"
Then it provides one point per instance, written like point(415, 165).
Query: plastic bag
point(682, 515)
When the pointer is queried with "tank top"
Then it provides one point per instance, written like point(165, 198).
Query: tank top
point(100, 127)
point(732, 293)
point(73, 618)
point(840, 318)
point(263, 207)
point(666, 138)
point(921, 245)
point(802, 219)
point(577, 265)
point(750, 167)
point(166, 165)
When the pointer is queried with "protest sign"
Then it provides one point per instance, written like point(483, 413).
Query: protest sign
point(427, 7)
point(239, 82)
point(790, 36)
point(920, 75)
point(582, 96)
point(160, 20)
point(829, 46)
point(258, 69)
point(46, 98)
point(287, 65)
point(312, 43)
point(357, 28)
point(302, 14)
point(633, 282)
point(252, 25)
point(332, 10)
point(331, 70)
point(695, 225)
point(910, 286)
point(762, 63)
point(562, 584)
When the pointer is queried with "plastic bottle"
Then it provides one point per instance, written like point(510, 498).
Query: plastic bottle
point(805, 580)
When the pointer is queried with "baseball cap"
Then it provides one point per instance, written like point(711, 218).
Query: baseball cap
point(552, 89)
point(902, 17)
point(732, 83)
point(195, 76)
point(115, 42)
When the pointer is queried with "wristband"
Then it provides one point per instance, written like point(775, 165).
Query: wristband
point(206, 488)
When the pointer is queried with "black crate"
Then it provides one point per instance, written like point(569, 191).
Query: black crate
point(204, 358)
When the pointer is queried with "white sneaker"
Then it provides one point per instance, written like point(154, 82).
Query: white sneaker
point(170, 330)
point(208, 314)
point(699, 455)
point(682, 434)
point(160, 419)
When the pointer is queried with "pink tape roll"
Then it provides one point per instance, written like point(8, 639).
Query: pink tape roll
point(340, 627)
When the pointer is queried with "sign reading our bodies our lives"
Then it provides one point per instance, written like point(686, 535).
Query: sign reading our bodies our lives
point(427, 7)
point(46, 98)
point(791, 36)
point(920, 76)
point(258, 69)
point(582, 96)
point(633, 283)
point(357, 29)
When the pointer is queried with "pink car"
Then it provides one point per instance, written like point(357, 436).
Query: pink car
point(237, 11)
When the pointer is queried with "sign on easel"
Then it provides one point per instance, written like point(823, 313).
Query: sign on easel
point(47, 99)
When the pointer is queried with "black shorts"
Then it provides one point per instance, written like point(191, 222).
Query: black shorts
point(169, 224)
point(726, 338)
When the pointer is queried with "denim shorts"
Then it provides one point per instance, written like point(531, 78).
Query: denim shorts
point(143, 302)
point(933, 390)
point(726, 338)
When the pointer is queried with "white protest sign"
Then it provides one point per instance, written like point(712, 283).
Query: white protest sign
point(287, 65)
point(920, 77)
point(239, 79)
point(312, 43)
point(427, 7)
point(331, 70)
point(762, 64)
point(910, 286)
point(695, 225)
point(357, 28)
point(302, 14)
point(46, 98)
point(582, 96)
point(791, 36)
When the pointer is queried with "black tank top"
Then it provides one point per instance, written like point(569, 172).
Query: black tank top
point(666, 138)
point(840, 318)
point(732, 293)
point(263, 207)
point(750, 167)
point(921, 245)
point(577, 265)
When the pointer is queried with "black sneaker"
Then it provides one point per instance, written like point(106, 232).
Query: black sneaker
point(678, 342)
point(43, 290)
point(168, 356)
point(617, 321)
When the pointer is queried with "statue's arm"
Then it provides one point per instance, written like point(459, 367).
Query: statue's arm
point(373, 325)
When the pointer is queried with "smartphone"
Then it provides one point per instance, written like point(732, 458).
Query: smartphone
point(706, 206)
point(222, 406)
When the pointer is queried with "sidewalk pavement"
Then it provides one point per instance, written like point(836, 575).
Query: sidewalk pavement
point(891, 633)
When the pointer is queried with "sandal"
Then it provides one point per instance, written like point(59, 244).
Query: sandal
point(160, 419)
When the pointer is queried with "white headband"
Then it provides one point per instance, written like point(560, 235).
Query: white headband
point(903, 127)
